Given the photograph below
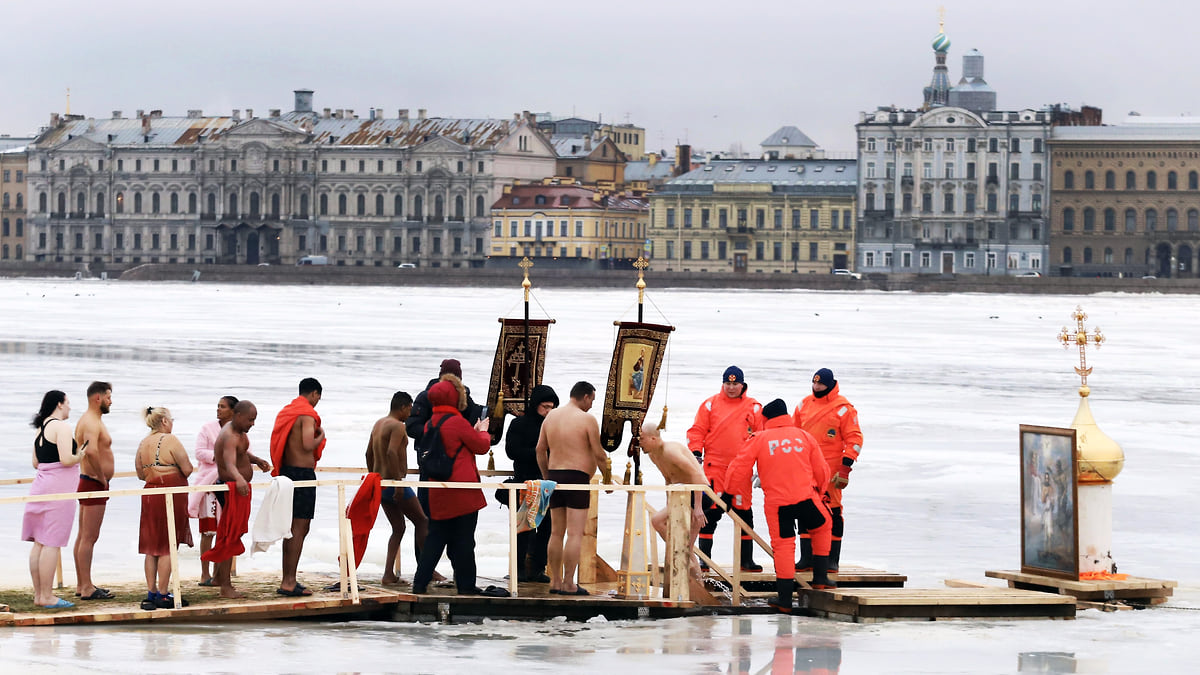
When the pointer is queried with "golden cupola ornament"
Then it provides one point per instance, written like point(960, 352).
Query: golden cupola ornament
point(1100, 458)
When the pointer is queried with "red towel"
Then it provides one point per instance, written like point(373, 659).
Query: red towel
point(363, 510)
point(235, 520)
point(284, 421)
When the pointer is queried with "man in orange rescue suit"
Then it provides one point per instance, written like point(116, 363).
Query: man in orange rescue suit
point(829, 417)
point(793, 475)
point(723, 423)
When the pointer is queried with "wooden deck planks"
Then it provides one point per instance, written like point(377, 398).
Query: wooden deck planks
point(1137, 589)
point(865, 605)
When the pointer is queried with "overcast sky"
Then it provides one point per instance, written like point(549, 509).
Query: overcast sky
point(712, 73)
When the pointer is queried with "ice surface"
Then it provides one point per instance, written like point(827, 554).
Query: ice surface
point(941, 383)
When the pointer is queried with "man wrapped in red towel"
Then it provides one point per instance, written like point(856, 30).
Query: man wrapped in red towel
point(231, 454)
point(297, 441)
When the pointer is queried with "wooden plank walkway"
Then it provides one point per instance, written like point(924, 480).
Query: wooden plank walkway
point(872, 605)
point(849, 576)
point(1138, 590)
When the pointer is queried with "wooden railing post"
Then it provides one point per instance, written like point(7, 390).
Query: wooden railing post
point(514, 565)
point(169, 500)
point(679, 550)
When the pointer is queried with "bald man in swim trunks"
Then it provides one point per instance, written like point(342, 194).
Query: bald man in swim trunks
point(568, 453)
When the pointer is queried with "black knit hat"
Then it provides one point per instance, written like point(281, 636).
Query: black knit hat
point(825, 377)
point(733, 374)
point(775, 409)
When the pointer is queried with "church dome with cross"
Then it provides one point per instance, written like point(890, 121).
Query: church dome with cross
point(1100, 458)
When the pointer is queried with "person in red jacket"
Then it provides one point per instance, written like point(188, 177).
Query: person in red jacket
point(830, 418)
point(793, 475)
point(723, 423)
point(454, 512)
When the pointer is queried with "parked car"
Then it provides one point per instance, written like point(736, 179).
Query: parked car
point(846, 273)
point(313, 260)
point(1030, 274)
point(406, 266)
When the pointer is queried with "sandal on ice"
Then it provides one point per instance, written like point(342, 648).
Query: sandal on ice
point(296, 592)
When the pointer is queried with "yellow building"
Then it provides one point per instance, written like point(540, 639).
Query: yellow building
point(13, 164)
point(756, 216)
point(630, 139)
point(561, 223)
point(592, 159)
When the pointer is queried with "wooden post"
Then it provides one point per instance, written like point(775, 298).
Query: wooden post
point(514, 565)
point(679, 552)
point(587, 554)
point(633, 579)
point(656, 578)
point(736, 598)
point(343, 560)
point(169, 499)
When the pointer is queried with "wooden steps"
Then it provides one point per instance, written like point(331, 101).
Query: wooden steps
point(871, 605)
point(1136, 590)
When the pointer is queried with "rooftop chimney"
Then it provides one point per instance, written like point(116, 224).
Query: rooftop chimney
point(54, 118)
point(303, 100)
point(195, 114)
point(116, 114)
point(146, 125)
point(249, 113)
point(273, 112)
point(403, 113)
point(379, 113)
point(237, 115)
point(420, 113)
point(325, 113)
point(372, 115)
point(140, 112)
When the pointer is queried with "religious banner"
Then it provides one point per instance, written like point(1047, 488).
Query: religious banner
point(637, 358)
point(516, 369)
point(1049, 502)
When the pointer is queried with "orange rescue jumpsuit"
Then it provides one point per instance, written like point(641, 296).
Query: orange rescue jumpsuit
point(793, 473)
point(720, 430)
point(834, 423)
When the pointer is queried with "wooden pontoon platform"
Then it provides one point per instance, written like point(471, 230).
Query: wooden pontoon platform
point(871, 605)
point(1135, 590)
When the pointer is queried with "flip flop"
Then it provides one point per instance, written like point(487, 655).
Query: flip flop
point(209, 583)
point(61, 604)
point(99, 594)
point(296, 592)
point(579, 590)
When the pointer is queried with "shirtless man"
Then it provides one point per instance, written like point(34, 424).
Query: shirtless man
point(95, 471)
point(231, 454)
point(568, 452)
point(300, 463)
point(678, 466)
point(387, 455)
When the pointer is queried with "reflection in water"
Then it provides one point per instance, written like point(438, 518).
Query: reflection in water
point(1058, 662)
point(801, 649)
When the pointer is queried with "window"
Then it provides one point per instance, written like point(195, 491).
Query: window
point(949, 170)
point(948, 202)
point(379, 205)
point(703, 218)
point(1193, 220)
point(323, 205)
point(721, 250)
point(174, 208)
point(760, 217)
point(1130, 220)
point(993, 145)
point(927, 203)
point(927, 170)
point(1014, 171)
point(814, 219)
point(1110, 180)
point(925, 258)
point(927, 145)
point(1110, 220)
point(479, 168)
point(906, 202)
point(871, 144)
point(420, 166)
point(870, 169)
point(907, 171)
point(670, 217)
point(1089, 180)
point(949, 145)
point(1128, 256)
point(906, 258)
point(779, 219)
point(1014, 202)
point(970, 145)
point(1089, 219)
point(891, 170)
point(342, 205)
point(1151, 220)
point(970, 207)
point(704, 250)
point(760, 250)
point(991, 202)
point(1172, 220)
point(342, 165)
point(1066, 255)
point(891, 147)
point(137, 202)
point(1014, 145)
point(1193, 180)
point(1172, 181)
point(869, 259)
point(1037, 145)
point(833, 219)
point(687, 250)
point(1037, 170)
point(1151, 180)
point(969, 260)
point(1037, 201)
point(908, 145)
point(1069, 180)
point(1087, 255)
point(1108, 256)
point(1130, 180)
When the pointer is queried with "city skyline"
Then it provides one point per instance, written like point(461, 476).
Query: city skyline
point(687, 72)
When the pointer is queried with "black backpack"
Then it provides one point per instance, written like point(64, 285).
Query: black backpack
point(432, 459)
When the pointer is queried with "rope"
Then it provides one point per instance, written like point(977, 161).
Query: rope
point(660, 312)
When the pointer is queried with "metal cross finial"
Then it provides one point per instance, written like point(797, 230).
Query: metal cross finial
point(941, 18)
point(1081, 338)
point(525, 264)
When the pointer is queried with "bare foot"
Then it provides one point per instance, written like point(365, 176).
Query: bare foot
point(232, 593)
point(390, 580)
point(438, 576)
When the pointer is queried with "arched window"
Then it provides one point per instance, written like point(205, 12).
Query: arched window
point(1130, 220)
point(1087, 255)
point(1069, 180)
point(1128, 256)
point(212, 203)
point(20, 252)
point(42, 207)
point(1172, 220)
point(418, 208)
point(233, 205)
point(1066, 255)
point(192, 202)
point(1193, 217)
point(439, 207)
point(304, 205)
point(155, 202)
point(275, 205)
point(6, 251)
point(1110, 220)
point(360, 205)
point(1151, 220)
point(80, 204)
point(1130, 180)
point(1068, 219)
point(379, 205)
point(1193, 180)
point(20, 200)
point(137, 202)
point(342, 205)
point(1108, 256)
point(1172, 181)
point(62, 204)
point(1110, 180)
point(255, 205)
point(478, 206)
point(120, 202)
point(99, 203)
point(323, 205)
point(1151, 180)
point(174, 202)
point(1089, 219)
point(4, 228)
point(1089, 180)
point(458, 208)
point(398, 206)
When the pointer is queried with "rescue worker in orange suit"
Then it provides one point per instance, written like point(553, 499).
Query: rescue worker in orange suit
point(793, 475)
point(829, 417)
point(723, 423)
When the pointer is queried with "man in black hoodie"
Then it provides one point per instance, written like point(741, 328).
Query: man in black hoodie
point(521, 446)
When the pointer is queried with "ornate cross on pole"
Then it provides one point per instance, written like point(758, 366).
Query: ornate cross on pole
point(525, 264)
point(1081, 337)
point(641, 264)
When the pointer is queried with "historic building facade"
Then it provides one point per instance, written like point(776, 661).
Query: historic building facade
point(956, 186)
point(756, 216)
point(245, 189)
point(13, 164)
point(1126, 200)
point(562, 223)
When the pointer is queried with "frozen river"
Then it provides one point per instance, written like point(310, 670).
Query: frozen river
point(941, 383)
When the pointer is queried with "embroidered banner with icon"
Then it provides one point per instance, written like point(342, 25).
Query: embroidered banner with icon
point(636, 361)
point(516, 369)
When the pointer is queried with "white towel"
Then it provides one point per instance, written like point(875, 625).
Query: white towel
point(274, 520)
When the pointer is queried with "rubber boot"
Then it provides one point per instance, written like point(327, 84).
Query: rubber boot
point(748, 564)
point(783, 591)
point(805, 564)
point(820, 574)
point(706, 549)
point(835, 553)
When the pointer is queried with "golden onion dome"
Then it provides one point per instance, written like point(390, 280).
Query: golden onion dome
point(1100, 458)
